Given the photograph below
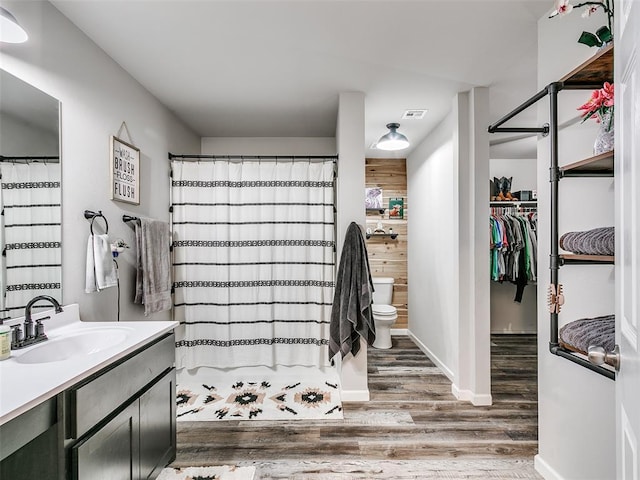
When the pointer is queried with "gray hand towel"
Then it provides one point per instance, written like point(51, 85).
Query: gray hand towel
point(153, 261)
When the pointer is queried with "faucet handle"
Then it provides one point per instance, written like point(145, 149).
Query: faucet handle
point(16, 335)
point(40, 327)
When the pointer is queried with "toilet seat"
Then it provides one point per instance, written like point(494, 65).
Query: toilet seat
point(383, 310)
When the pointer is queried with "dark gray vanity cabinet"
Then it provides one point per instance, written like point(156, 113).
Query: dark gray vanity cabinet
point(118, 423)
point(121, 422)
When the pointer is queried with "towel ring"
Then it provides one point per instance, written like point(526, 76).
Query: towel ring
point(88, 214)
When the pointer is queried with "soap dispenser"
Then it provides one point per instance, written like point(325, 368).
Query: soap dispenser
point(5, 342)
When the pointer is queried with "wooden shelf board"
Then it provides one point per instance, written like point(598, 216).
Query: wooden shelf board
point(596, 70)
point(392, 235)
point(600, 163)
point(574, 257)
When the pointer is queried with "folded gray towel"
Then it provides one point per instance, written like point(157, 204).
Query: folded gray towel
point(153, 262)
point(580, 334)
point(598, 241)
point(351, 315)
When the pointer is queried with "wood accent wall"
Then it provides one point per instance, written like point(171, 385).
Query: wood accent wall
point(387, 257)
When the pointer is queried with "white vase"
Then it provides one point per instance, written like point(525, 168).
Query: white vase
point(605, 138)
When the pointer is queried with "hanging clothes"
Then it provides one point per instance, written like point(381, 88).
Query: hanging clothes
point(513, 247)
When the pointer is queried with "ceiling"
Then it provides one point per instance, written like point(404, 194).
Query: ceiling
point(266, 68)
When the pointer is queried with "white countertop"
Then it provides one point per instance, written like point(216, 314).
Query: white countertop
point(23, 386)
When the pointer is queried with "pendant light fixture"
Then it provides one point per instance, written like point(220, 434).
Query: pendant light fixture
point(392, 140)
point(10, 29)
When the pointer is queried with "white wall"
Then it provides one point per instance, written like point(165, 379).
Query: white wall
point(351, 180)
point(268, 146)
point(449, 311)
point(473, 382)
point(432, 239)
point(96, 96)
point(523, 170)
point(507, 315)
point(576, 406)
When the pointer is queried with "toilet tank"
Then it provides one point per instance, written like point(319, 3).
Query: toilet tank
point(383, 290)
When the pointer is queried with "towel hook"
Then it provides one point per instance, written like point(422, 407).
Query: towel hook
point(88, 214)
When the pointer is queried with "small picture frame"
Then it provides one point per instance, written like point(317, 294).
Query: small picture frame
point(396, 208)
point(125, 172)
point(373, 198)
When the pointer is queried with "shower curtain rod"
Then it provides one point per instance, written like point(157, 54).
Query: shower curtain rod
point(27, 158)
point(253, 157)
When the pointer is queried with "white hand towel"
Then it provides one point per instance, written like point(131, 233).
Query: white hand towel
point(100, 271)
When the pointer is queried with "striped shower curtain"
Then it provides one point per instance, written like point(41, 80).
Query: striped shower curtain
point(253, 257)
point(31, 232)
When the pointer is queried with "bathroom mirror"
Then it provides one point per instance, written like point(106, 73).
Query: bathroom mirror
point(30, 196)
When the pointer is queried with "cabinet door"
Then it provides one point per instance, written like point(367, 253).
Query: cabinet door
point(158, 426)
point(111, 452)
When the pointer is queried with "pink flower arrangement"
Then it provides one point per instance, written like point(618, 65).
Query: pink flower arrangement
point(600, 103)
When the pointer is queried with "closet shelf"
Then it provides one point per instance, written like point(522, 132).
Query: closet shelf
point(578, 259)
point(597, 166)
point(392, 235)
point(510, 203)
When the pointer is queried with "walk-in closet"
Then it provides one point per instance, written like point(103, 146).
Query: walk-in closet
point(512, 245)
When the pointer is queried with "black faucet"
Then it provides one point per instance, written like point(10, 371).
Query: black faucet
point(35, 333)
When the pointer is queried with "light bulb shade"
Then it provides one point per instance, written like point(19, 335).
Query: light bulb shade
point(392, 140)
point(10, 29)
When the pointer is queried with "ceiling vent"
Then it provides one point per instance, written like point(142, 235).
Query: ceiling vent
point(415, 114)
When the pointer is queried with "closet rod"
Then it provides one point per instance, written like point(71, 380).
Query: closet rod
point(27, 158)
point(253, 157)
point(538, 96)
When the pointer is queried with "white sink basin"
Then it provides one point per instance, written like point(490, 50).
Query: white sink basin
point(84, 342)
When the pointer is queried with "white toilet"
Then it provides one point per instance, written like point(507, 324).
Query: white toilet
point(384, 314)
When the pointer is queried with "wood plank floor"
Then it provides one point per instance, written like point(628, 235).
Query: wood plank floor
point(412, 428)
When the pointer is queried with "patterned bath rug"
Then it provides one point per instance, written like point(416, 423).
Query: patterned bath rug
point(208, 473)
point(259, 399)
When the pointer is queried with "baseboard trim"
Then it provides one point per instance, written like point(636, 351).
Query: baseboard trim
point(468, 396)
point(463, 395)
point(432, 356)
point(354, 395)
point(396, 332)
point(544, 469)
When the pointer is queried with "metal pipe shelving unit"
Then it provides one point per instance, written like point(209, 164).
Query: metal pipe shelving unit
point(590, 75)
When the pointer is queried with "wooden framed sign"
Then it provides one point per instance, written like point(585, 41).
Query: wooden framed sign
point(125, 172)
